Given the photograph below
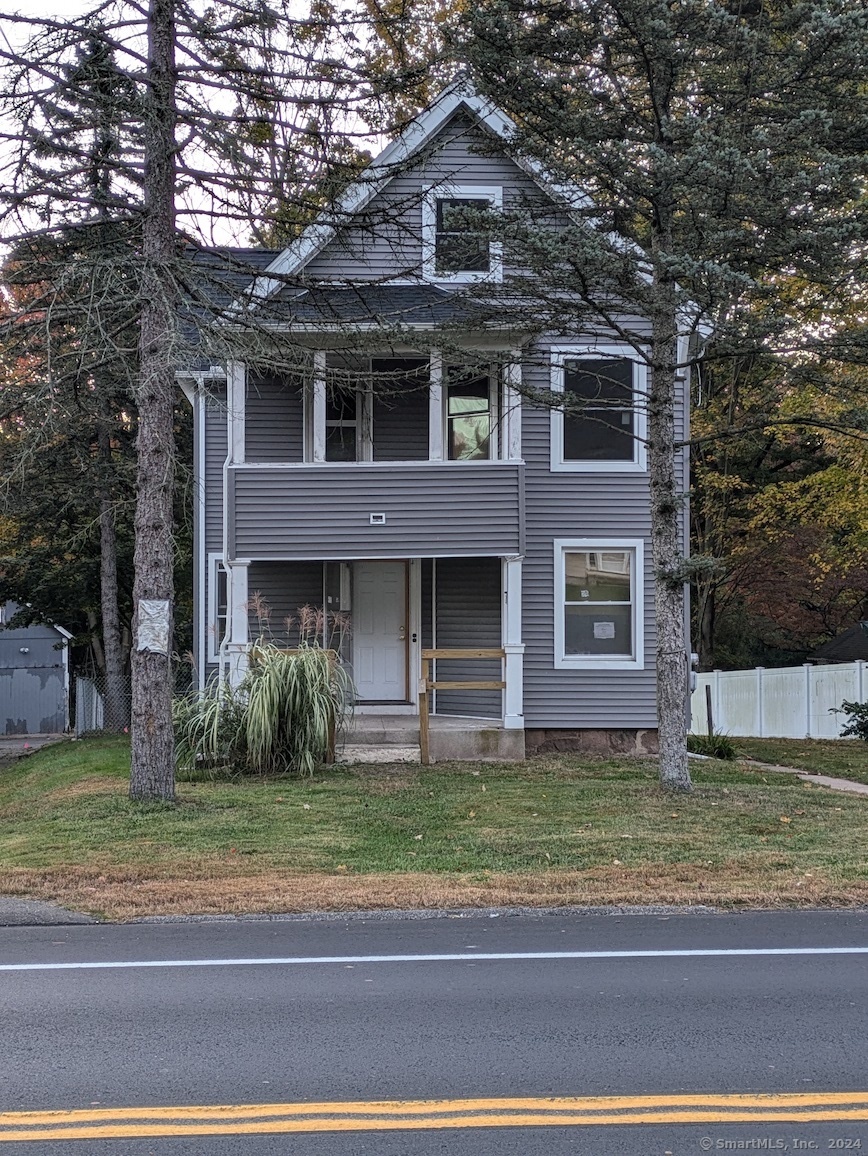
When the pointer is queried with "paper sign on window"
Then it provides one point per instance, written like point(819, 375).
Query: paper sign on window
point(604, 630)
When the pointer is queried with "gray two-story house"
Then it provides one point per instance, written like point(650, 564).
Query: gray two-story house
point(406, 482)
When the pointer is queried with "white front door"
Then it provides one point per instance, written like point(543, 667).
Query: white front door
point(380, 631)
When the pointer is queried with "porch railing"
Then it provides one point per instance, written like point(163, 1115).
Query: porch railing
point(426, 684)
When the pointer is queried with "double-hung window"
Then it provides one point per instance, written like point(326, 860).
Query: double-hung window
point(601, 424)
point(218, 605)
point(598, 604)
point(342, 426)
point(457, 242)
point(470, 426)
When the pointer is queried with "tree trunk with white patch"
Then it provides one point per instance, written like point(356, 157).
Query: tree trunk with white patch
point(152, 773)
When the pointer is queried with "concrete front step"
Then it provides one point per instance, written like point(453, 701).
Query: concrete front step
point(388, 736)
point(383, 753)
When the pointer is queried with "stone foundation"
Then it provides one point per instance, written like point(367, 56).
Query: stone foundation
point(591, 742)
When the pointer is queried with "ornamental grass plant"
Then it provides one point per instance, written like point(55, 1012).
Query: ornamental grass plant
point(294, 702)
point(281, 719)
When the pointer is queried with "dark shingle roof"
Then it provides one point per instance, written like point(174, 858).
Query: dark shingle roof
point(385, 305)
point(851, 646)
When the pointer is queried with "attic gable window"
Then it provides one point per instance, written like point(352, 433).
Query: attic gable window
point(455, 247)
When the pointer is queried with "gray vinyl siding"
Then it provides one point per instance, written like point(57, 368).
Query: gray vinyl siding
point(426, 615)
point(274, 421)
point(283, 588)
point(386, 241)
point(577, 505)
point(462, 515)
point(468, 615)
point(324, 512)
point(215, 457)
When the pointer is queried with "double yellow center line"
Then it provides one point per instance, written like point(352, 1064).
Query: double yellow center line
point(412, 1115)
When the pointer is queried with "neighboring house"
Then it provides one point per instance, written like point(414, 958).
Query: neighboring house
point(34, 677)
point(849, 646)
point(429, 502)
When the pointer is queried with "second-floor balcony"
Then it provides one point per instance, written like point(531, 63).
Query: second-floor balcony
point(375, 457)
point(375, 510)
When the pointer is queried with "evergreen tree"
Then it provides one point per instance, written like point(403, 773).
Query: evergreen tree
point(722, 151)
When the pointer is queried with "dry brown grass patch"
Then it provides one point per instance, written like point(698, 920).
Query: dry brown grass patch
point(132, 893)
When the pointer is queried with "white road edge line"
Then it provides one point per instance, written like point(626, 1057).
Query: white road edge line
point(455, 957)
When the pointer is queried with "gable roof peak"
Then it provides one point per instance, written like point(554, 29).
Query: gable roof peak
point(459, 93)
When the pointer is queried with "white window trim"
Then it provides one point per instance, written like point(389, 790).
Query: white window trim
point(315, 418)
point(565, 661)
point(560, 354)
point(213, 642)
point(494, 195)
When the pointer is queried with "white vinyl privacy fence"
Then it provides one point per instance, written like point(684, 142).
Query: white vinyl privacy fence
point(792, 702)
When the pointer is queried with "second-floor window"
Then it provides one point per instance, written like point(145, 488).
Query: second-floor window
point(601, 424)
point(342, 425)
point(456, 239)
point(468, 417)
point(471, 415)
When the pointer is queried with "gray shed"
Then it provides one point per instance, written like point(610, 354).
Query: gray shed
point(34, 677)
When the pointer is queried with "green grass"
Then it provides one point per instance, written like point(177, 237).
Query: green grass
point(68, 829)
point(844, 758)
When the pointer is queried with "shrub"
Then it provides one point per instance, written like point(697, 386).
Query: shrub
point(715, 745)
point(857, 720)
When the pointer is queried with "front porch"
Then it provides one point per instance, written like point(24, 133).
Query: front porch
point(423, 639)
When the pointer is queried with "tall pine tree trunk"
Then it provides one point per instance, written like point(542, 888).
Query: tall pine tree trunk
point(152, 774)
point(116, 714)
point(666, 534)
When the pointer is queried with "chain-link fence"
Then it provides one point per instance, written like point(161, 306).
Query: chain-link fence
point(98, 709)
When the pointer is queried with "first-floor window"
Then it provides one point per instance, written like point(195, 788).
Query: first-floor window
point(219, 608)
point(598, 604)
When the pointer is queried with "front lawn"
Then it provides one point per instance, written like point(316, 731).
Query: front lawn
point(554, 830)
point(843, 758)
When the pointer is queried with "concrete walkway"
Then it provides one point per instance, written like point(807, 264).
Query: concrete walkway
point(845, 785)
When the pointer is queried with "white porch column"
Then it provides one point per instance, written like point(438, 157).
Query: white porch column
point(239, 637)
point(512, 408)
point(513, 696)
point(435, 407)
point(318, 409)
point(236, 401)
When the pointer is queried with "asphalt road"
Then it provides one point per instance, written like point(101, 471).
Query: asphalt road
point(666, 1039)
